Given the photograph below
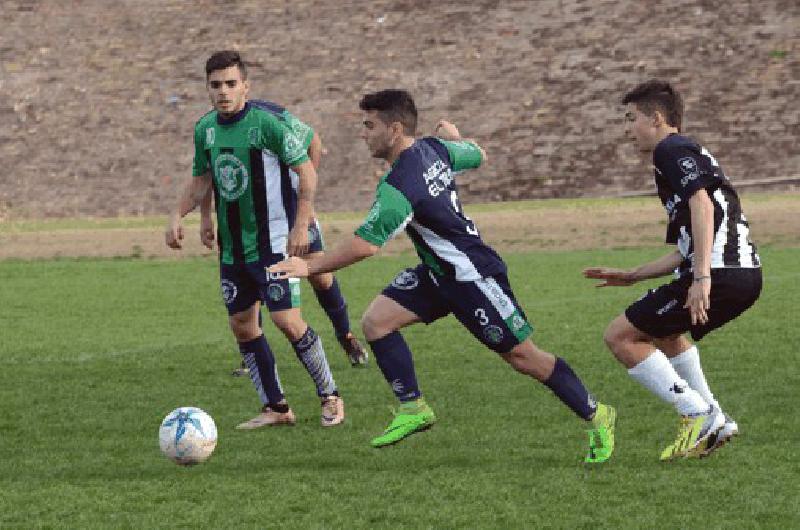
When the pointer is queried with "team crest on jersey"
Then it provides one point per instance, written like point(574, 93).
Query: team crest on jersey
point(254, 136)
point(517, 322)
point(229, 291)
point(689, 167)
point(231, 175)
point(275, 291)
point(493, 334)
point(292, 146)
point(406, 280)
point(210, 135)
point(372, 216)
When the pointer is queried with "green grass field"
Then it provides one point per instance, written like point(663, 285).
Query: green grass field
point(94, 353)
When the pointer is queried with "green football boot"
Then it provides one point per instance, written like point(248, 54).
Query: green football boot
point(601, 437)
point(410, 417)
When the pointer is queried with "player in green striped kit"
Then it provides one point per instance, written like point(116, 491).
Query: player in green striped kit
point(264, 186)
point(325, 285)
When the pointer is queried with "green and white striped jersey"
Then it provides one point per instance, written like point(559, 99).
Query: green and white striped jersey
point(249, 157)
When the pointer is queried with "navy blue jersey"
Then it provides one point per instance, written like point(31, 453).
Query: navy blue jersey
point(682, 167)
point(419, 194)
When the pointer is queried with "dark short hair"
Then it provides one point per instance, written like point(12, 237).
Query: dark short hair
point(654, 95)
point(393, 105)
point(225, 59)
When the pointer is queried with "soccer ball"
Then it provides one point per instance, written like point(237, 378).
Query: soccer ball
point(187, 436)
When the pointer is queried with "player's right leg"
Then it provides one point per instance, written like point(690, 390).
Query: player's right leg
point(685, 358)
point(699, 421)
point(241, 297)
point(408, 300)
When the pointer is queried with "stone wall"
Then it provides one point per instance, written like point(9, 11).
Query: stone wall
point(100, 97)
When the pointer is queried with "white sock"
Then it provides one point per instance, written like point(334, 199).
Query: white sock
point(658, 376)
point(687, 365)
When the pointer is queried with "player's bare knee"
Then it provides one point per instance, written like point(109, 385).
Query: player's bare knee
point(321, 282)
point(373, 326)
point(615, 335)
point(291, 325)
point(243, 329)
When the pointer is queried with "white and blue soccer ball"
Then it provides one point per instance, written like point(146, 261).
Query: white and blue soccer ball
point(187, 436)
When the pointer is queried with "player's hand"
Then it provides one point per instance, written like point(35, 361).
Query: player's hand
point(611, 277)
point(447, 130)
point(293, 267)
point(173, 235)
point(298, 240)
point(698, 301)
point(207, 232)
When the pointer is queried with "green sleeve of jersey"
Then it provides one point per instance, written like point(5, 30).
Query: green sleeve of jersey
point(463, 155)
point(300, 129)
point(281, 140)
point(390, 213)
point(200, 163)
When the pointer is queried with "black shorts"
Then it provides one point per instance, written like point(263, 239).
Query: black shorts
point(660, 312)
point(486, 307)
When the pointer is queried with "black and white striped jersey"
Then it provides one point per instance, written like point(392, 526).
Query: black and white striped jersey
point(682, 167)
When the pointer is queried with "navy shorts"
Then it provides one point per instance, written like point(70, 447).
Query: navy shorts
point(315, 241)
point(660, 312)
point(486, 307)
point(245, 283)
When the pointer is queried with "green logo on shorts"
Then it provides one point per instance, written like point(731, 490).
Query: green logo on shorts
point(275, 292)
point(294, 290)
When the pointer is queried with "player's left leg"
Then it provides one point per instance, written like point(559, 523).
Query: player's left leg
point(308, 347)
point(558, 376)
point(488, 309)
point(329, 296)
point(282, 298)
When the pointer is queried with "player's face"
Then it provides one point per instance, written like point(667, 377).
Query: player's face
point(641, 129)
point(227, 90)
point(377, 135)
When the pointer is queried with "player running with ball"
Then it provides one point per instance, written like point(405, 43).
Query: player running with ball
point(459, 273)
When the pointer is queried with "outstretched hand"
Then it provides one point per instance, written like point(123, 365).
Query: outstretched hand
point(292, 267)
point(611, 277)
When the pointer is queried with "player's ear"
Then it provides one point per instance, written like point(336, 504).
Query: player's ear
point(658, 119)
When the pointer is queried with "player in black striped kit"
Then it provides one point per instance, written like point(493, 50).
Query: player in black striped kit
point(717, 269)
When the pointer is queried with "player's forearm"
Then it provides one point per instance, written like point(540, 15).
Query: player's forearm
point(315, 151)
point(702, 213)
point(660, 267)
point(192, 195)
point(205, 204)
point(345, 254)
point(306, 192)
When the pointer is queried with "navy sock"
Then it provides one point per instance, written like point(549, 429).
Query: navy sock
point(263, 372)
point(310, 352)
point(569, 389)
point(394, 359)
point(335, 307)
